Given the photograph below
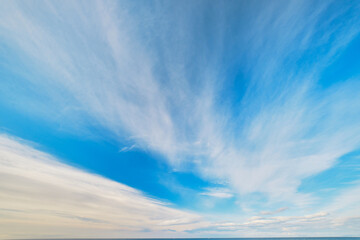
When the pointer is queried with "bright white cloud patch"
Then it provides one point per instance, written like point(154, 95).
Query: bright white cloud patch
point(43, 198)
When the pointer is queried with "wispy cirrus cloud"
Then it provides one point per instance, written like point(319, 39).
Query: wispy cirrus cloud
point(162, 85)
point(279, 210)
point(218, 193)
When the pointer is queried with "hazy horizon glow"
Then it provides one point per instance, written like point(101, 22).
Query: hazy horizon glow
point(179, 119)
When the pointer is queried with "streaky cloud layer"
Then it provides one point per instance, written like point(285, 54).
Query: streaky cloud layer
point(233, 92)
point(41, 197)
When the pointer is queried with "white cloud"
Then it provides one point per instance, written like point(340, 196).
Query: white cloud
point(218, 193)
point(126, 149)
point(49, 199)
point(100, 64)
point(43, 197)
point(311, 225)
point(279, 210)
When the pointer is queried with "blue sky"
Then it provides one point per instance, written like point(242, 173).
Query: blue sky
point(179, 118)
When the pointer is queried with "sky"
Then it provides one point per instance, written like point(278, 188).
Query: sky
point(179, 118)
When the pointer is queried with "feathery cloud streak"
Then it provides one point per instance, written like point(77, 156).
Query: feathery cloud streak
point(151, 76)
